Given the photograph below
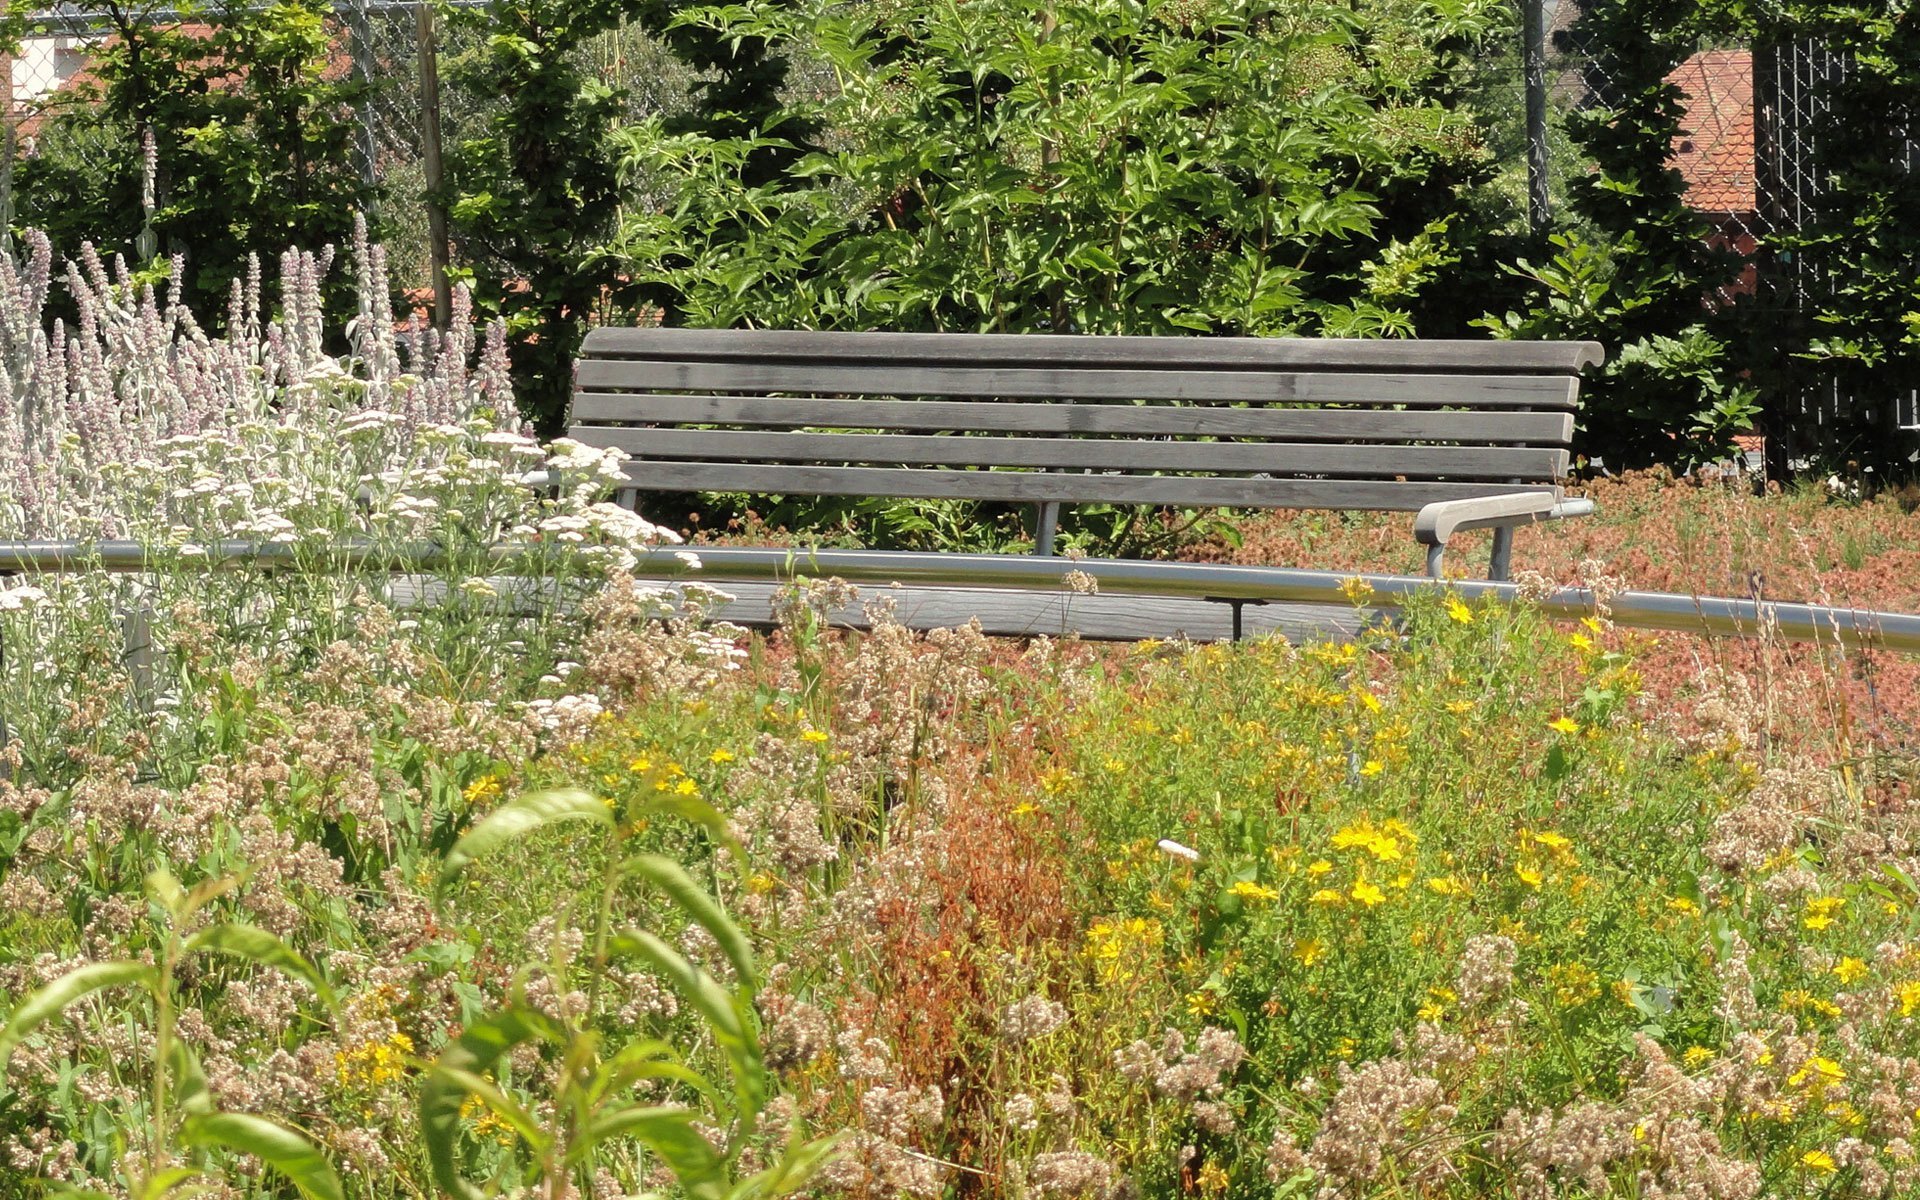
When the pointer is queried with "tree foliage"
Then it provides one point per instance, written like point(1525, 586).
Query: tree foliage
point(536, 190)
point(1107, 166)
point(250, 118)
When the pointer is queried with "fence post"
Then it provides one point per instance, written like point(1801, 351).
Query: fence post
point(360, 32)
point(1534, 67)
point(438, 251)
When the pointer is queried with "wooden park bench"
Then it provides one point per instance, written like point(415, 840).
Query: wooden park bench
point(1463, 434)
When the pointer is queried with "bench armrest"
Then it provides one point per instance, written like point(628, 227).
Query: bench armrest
point(1435, 525)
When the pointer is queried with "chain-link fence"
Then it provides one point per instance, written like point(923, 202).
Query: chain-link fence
point(1748, 150)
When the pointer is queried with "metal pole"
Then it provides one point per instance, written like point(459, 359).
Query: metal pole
point(1534, 67)
point(1714, 616)
point(360, 31)
point(438, 251)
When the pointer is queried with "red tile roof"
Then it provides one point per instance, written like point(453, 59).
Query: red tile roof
point(1714, 151)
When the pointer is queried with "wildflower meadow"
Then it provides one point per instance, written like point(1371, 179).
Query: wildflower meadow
point(431, 853)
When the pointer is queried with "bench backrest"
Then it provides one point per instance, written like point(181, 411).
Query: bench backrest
point(1189, 422)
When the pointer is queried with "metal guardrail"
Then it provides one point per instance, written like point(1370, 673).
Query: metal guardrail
point(1714, 616)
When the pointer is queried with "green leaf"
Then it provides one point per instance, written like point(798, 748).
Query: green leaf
point(190, 1090)
point(50, 1001)
point(521, 815)
point(668, 1131)
point(446, 1087)
point(788, 1175)
point(672, 879)
point(287, 1151)
point(257, 945)
point(740, 1044)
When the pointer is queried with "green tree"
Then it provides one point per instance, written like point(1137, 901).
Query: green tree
point(1106, 166)
point(252, 135)
point(536, 191)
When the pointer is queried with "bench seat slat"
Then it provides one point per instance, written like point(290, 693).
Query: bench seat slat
point(1072, 350)
point(916, 379)
point(1451, 462)
point(1297, 424)
point(1063, 487)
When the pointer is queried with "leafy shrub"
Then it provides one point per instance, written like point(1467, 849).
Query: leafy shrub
point(1101, 168)
point(252, 143)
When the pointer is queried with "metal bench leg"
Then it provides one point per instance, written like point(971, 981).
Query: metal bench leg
point(1435, 553)
point(1046, 528)
point(1500, 566)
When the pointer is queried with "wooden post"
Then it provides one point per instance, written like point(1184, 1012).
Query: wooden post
point(437, 249)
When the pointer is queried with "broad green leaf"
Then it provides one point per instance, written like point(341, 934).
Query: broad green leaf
point(518, 816)
point(287, 1151)
point(495, 1098)
point(445, 1089)
point(790, 1174)
point(672, 879)
point(740, 1044)
point(167, 892)
point(190, 1090)
point(50, 1001)
point(257, 945)
point(648, 1058)
point(668, 1131)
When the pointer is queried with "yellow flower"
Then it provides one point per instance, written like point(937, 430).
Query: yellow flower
point(1822, 911)
point(1203, 1003)
point(1580, 641)
point(1818, 1160)
point(641, 765)
point(1246, 889)
point(1850, 970)
point(1909, 996)
point(1818, 1074)
point(1318, 867)
point(813, 735)
point(1356, 590)
point(1212, 1178)
point(1308, 951)
point(1368, 894)
point(1373, 767)
point(1458, 707)
point(1459, 611)
point(1697, 1056)
point(1564, 725)
point(722, 755)
point(760, 883)
point(1574, 984)
point(1446, 885)
point(1682, 904)
point(1528, 876)
point(1381, 844)
point(1329, 898)
point(686, 787)
point(485, 788)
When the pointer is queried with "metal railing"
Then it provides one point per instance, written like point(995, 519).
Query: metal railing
point(1713, 616)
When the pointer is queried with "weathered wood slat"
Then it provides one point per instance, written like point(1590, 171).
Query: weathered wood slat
point(1295, 424)
point(1064, 487)
point(1280, 458)
point(986, 349)
point(914, 378)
